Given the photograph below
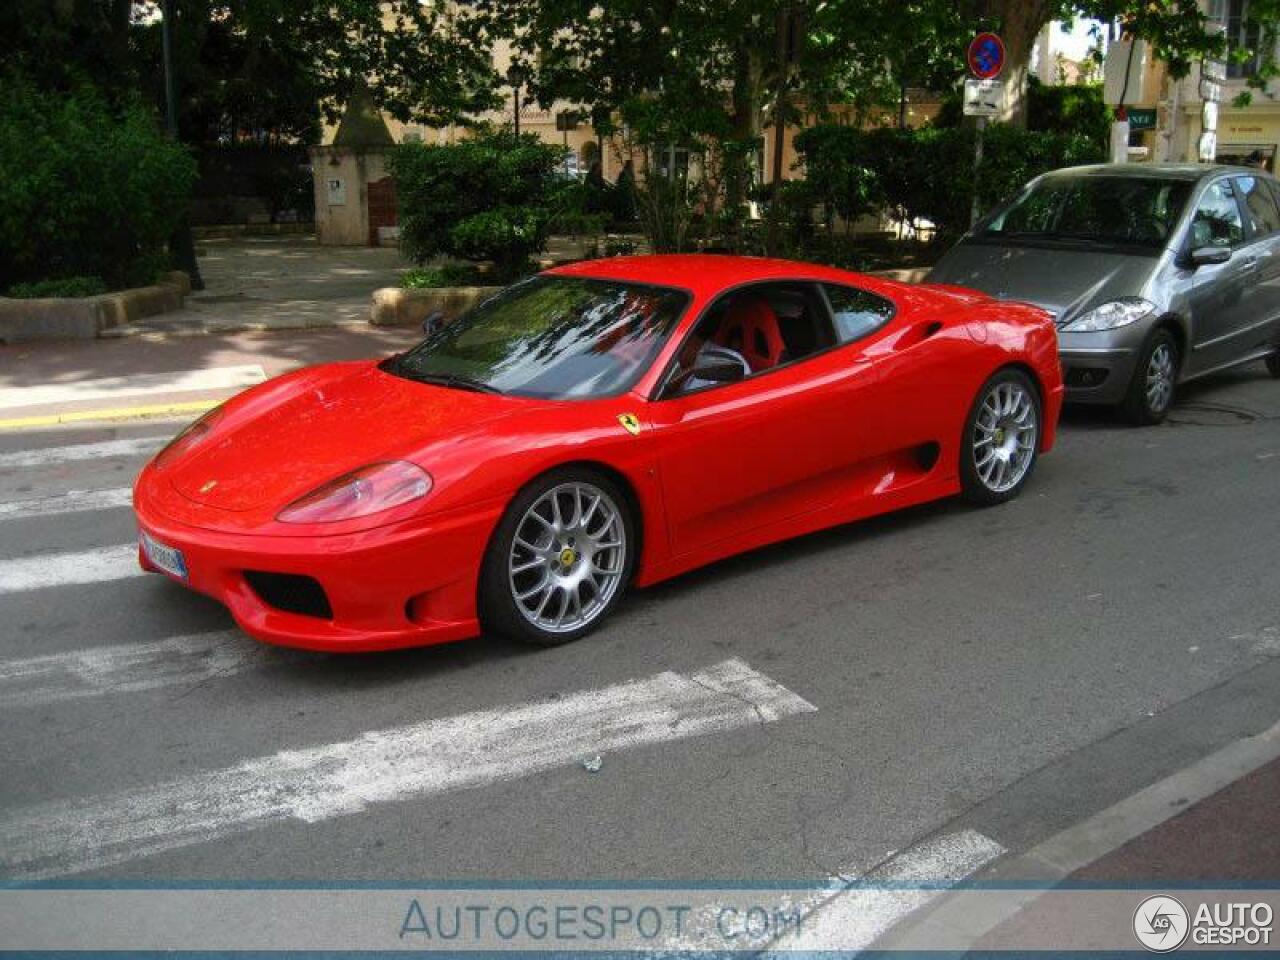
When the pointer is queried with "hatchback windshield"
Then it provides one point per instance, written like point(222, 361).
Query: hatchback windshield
point(554, 337)
point(1093, 210)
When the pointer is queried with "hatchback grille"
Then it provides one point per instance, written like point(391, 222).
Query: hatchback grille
point(290, 592)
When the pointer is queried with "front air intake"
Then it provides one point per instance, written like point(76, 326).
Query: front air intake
point(290, 592)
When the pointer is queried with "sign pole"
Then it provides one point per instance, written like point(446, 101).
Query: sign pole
point(975, 209)
point(982, 98)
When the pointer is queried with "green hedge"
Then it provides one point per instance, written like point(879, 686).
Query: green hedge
point(88, 191)
point(927, 174)
point(488, 198)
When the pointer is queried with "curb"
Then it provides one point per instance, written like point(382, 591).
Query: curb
point(86, 318)
point(1056, 858)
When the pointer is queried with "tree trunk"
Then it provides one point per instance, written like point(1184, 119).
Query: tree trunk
point(1018, 23)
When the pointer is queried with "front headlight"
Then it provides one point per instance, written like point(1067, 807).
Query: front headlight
point(1113, 314)
point(371, 489)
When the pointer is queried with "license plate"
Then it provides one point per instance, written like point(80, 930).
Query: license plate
point(169, 559)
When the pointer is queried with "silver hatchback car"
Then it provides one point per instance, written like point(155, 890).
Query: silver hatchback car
point(1155, 274)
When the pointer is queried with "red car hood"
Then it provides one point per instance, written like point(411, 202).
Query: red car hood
point(285, 438)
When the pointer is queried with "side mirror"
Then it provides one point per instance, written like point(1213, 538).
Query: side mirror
point(1201, 256)
point(433, 322)
point(713, 365)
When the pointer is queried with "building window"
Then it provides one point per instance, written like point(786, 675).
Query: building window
point(1241, 35)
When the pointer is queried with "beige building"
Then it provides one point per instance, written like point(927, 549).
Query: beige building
point(1179, 111)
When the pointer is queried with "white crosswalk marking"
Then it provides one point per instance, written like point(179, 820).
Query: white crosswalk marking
point(856, 916)
point(73, 501)
point(135, 385)
point(315, 784)
point(46, 456)
point(127, 668)
point(66, 569)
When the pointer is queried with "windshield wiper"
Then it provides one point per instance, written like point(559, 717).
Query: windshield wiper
point(454, 380)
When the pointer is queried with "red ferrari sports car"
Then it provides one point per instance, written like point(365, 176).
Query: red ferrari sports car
point(598, 426)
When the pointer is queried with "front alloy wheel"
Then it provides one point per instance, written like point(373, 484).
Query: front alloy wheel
point(560, 560)
point(1151, 391)
point(1001, 439)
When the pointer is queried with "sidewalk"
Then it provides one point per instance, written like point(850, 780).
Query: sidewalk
point(277, 283)
point(50, 383)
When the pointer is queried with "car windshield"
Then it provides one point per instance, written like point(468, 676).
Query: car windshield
point(550, 336)
point(1093, 210)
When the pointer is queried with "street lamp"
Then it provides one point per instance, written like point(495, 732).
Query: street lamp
point(181, 244)
point(516, 76)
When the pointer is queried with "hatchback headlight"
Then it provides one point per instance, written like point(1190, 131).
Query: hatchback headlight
point(371, 489)
point(1111, 315)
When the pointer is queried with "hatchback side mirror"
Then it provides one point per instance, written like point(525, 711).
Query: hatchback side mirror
point(433, 322)
point(1201, 256)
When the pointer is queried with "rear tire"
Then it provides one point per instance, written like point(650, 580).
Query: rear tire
point(560, 559)
point(1151, 391)
point(1001, 439)
point(1273, 365)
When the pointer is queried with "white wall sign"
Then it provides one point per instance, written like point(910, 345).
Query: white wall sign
point(337, 190)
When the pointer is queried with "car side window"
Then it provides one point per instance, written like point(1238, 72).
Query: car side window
point(1217, 221)
point(1259, 206)
point(764, 325)
point(855, 312)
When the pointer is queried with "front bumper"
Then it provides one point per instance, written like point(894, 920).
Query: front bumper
point(401, 585)
point(1097, 367)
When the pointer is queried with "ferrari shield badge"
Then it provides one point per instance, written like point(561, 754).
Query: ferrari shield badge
point(630, 423)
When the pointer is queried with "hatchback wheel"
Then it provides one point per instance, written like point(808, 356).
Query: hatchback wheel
point(1001, 439)
point(1151, 390)
point(560, 559)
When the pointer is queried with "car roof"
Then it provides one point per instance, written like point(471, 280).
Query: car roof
point(701, 273)
point(1154, 171)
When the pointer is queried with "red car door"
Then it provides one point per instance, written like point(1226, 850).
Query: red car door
point(783, 442)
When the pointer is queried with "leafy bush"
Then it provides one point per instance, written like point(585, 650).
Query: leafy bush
point(67, 287)
point(838, 176)
point(89, 191)
point(488, 198)
point(447, 275)
point(927, 173)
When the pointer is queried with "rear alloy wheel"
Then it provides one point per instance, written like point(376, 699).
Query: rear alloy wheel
point(1151, 391)
point(1273, 364)
point(560, 559)
point(1001, 439)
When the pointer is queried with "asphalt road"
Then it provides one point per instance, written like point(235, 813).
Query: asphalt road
point(953, 657)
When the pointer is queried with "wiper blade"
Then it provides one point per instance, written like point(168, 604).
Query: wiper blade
point(455, 381)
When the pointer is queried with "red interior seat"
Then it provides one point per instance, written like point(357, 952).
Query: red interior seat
point(751, 328)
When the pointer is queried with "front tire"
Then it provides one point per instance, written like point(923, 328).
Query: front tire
point(1001, 439)
point(560, 560)
point(1151, 390)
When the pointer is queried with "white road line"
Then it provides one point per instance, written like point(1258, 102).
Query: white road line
point(46, 456)
point(843, 914)
point(141, 384)
point(65, 569)
point(318, 783)
point(854, 917)
point(73, 501)
point(127, 668)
